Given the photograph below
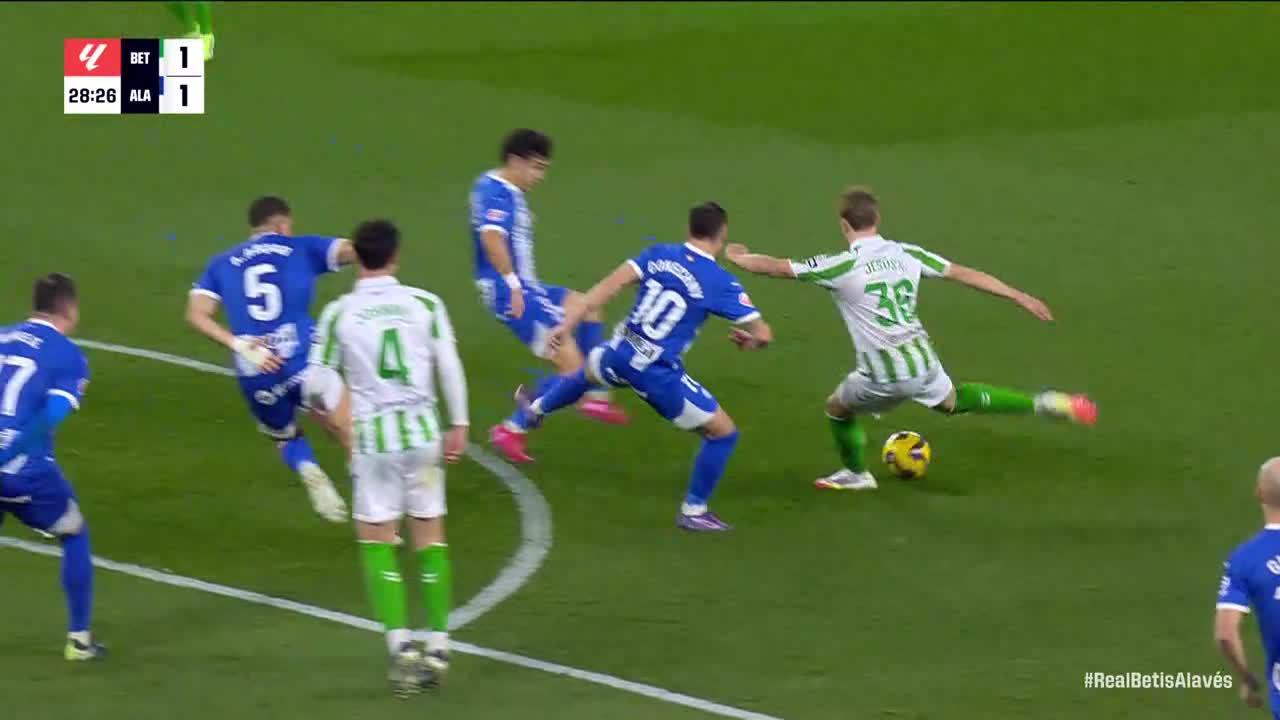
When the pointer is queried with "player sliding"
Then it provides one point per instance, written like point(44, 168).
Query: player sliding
point(875, 284)
point(43, 376)
point(388, 340)
point(266, 284)
point(682, 285)
point(502, 231)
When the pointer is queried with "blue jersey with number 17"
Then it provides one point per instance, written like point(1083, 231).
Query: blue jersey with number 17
point(36, 361)
point(265, 285)
point(680, 285)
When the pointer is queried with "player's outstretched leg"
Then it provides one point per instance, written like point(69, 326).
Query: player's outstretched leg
point(980, 398)
point(301, 459)
point(720, 437)
point(596, 403)
point(511, 437)
point(851, 442)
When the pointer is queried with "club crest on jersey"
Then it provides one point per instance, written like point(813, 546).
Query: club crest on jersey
point(745, 299)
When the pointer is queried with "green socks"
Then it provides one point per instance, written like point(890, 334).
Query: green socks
point(437, 586)
point(204, 16)
point(385, 586)
point(196, 17)
point(851, 441)
point(183, 11)
point(979, 398)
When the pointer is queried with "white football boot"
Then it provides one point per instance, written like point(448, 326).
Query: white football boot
point(325, 499)
point(845, 479)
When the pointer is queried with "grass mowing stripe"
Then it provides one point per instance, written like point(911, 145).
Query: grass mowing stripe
point(535, 531)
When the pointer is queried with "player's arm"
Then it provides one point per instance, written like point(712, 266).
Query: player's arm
point(759, 263)
point(453, 382)
point(1226, 632)
point(202, 310)
point(346, 252)
point(628, 273)
point(494, 240)
point(990, 284)
point(752, 335)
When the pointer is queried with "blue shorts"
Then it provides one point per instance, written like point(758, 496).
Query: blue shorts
point(543, 310)
point(665, 386)
point(274, 401)
point(39, 501)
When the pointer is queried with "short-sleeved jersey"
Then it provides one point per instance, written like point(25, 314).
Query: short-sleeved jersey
point(499, 205)
point(876, 286)
point(36, 361)
point(385, 338)
point(266, 285)
point(680, 285)
point(1251, 580)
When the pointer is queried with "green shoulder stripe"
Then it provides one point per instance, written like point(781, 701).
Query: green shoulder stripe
point(429, 302)
point(826, 267)
point(329, 326)
point(933, 262)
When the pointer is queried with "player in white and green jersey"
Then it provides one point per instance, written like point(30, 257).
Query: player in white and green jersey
point(875, 284)
point(374, 360)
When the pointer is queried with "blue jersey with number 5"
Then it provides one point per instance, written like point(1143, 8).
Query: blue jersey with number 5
point(265, 285)
point(680, 285)
point(36, 361)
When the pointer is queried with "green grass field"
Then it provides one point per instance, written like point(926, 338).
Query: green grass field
point(1117, 160)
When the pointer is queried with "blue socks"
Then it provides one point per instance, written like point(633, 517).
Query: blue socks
point(297, 451)
point(589, 334)
point(553, 393)
point(77, 580)
point(708, 468)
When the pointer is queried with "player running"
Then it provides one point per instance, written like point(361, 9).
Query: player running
point(43, 376)
point(682, 285)
point(875, 284)
point(502, 231)
point(266, 284)
point(387, 340)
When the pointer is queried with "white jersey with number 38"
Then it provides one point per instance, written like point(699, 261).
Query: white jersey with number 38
point(876, 284)
point(388, 341)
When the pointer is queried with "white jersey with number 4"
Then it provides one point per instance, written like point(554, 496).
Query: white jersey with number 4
point(876, 284)
point(388, 341)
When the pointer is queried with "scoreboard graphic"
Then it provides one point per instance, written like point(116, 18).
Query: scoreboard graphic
point(133, 76)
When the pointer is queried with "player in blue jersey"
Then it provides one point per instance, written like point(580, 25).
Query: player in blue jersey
point(43, 376)
point(1252, 581)
point(505, 274)
point(681, 285)
point(265, 285)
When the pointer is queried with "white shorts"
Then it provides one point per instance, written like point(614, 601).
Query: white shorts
point(388, 486)
point(860, 393)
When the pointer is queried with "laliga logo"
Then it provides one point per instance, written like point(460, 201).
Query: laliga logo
point(90, 54)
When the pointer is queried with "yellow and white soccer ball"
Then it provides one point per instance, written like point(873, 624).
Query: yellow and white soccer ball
point(907, 454)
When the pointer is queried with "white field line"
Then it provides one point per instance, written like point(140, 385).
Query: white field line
point(535, 518)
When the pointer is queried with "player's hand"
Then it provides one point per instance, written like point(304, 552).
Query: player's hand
point(516, 309)
point(1251, 692)
point(556, 338)
point(735, 251)
point(455, 443)
point(1035, 306)
point(256, 353)
point(744, 340)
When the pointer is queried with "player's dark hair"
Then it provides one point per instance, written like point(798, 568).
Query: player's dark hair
point(526, 143)
point(52, 293)
point(265, 208)
point(859, 207)
point(706, 220)
point(376, 243)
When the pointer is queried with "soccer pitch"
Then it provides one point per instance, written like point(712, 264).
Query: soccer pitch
point(1118, 161)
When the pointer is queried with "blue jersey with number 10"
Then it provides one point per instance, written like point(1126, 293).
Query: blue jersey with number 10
point(680, 285)
point(265, 285)
point(36, 361)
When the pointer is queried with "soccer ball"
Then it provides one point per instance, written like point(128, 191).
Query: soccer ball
point(907, 454)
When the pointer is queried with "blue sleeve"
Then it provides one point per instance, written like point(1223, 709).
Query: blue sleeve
point(71, 378)
point(207, 283)
point(495, 210)
point(321, 252)
point(731, 302)
point(14, 442)
point(1232, 589)
point(638, 262)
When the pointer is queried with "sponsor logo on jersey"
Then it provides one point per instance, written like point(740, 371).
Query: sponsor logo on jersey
point(495, 215)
